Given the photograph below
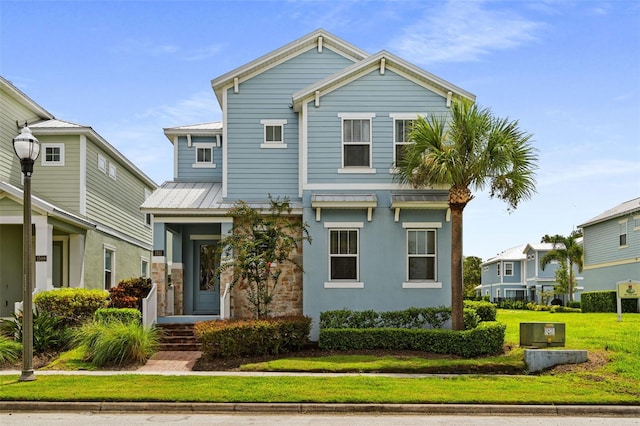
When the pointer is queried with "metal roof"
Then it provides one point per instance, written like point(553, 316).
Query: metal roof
point(623, 209)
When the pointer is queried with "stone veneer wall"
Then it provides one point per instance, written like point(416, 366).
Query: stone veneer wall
point(159, 276)
point(288, 295)
point(177, 281)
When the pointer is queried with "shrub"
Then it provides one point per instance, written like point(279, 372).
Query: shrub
point(560, 308)
point(487, 338)
point(232, 338)
point(125, 315)
point(73, 305)
point(485, 310)
point(471, 318)
point(605, 301)
point(128, 293)
point(117, 343)
point(10, 351)
point(574, 304)
point(49, 333)
point(408, 318)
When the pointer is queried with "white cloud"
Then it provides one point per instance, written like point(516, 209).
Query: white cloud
point(584, 173)
point(462, 32)
point(197, 108)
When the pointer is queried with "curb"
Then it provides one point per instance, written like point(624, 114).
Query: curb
point(304, 408)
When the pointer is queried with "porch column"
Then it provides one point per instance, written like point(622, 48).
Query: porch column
point(177, 272)
point(76, 260)
point(43, 254)
point(159, 266)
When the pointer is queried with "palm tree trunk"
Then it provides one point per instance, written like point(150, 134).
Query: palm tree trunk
point(457, 318)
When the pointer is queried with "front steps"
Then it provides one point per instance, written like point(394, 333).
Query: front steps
point(178, 337)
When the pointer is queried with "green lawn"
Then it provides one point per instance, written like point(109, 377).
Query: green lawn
point(617, 383)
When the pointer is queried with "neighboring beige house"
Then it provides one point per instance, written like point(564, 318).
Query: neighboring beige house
point(88, 228)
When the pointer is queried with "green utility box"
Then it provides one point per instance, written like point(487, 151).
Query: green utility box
point(542, 334)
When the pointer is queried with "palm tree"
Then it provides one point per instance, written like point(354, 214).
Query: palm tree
point(469, 150)
point(565, 249)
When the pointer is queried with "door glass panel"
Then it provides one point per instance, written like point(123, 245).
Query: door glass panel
point(207, 267)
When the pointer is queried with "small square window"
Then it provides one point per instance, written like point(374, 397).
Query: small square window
point(273, 133)
point(204, 155)
point(52, 154)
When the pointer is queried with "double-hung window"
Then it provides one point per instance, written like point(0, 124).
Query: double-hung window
point(273, 133)
point(343, 254)
point(508, 269)
point(402, 126)
point(356, 140)
point(622, 239)
point(53, 154)
point(109, 267)
point(421, 254)
point(204, 155)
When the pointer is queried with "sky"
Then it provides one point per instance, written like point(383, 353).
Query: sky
point(568, 71)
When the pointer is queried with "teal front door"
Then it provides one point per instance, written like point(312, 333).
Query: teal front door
point(206, 290)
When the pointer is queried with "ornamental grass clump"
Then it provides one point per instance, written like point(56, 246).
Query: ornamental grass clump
point(116, 343)
point(10, 351)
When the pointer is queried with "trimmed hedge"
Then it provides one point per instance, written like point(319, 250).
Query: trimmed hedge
point(124, 315)
point(233, 338)
point(73, 305)
point(408, 318)
point(485, 310)
point(605, 301)
point(487, 338)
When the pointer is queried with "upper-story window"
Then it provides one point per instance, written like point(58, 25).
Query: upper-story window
point(508, 269)
point(273, 133)
point(102, 163)
point(402, 126)
point(622, 225)
point(52, 154)
point(204, 155)
point(421, 254)
point(356, 140)
point(112, 171)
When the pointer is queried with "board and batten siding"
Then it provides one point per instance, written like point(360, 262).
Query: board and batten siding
point(252, 171)
point(59, 184)
point(11, 111)
point(115, 202)
point(381, 95)
point(601, 242)
point(187, 158)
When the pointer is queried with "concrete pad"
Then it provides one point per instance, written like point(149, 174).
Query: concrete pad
point(540, 359)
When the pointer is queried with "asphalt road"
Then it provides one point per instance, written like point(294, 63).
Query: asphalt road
point(129, 419)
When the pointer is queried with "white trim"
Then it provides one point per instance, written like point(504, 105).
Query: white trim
point(272, 145)
point(356, 115)
point(175, 156)
point(83, 176)
point(186, 219)
point(425, 284)
point(343, 284)
point(273, 123)
point(112, 250)
point(422, 225)
point(365, 186)
point(203, 164)
point(225, 144)
point(102, 163)
point(356, 170)
point(303, 160)
point(113, 171)
point(144, 260)
point(43, 155)
point(65, 258)
point(405, 115)
point(344, 225)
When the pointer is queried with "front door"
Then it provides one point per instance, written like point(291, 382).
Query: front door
point(206, 290)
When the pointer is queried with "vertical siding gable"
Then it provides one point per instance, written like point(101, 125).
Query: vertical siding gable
point(254, 172)
point(372, 93)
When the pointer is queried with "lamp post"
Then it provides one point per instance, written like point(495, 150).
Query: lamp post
point(27, 149)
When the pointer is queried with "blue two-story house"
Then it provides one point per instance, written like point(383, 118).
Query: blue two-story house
point(517, 274)
point(612, 246)
point(321, 122)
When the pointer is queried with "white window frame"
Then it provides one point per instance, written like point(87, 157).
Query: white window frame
point(144, 272)
point(112, 271)
point(399, 117)
point(361, 117)
point(273, 143)
point(203, 164)
point(623, 232)
point(508, 269)
point(52, 163)
point(422, 283)
point(636, 223)
point(343, 226)
point(102, 163)
point(498, 266)
point(113, 171)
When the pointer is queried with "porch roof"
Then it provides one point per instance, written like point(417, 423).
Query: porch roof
point(196, 198)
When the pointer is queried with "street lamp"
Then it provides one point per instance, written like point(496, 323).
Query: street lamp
point(27, 149)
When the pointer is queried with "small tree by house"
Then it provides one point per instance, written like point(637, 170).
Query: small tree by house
point(568, 250)
point(471, 275)
point(260, 243)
